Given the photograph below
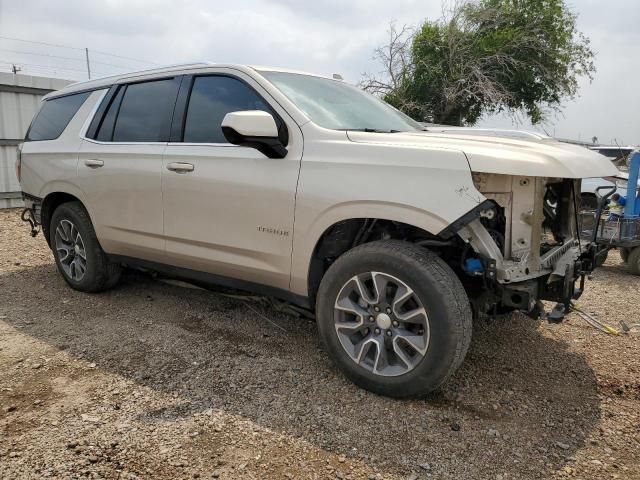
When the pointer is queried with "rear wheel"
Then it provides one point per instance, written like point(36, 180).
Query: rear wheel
point(634, 261)
point(624, 254)
point(394, 317)
point(77, 252)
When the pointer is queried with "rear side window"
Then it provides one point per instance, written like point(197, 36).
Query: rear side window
point(105, 132)
point(211, 99)
point(54, 116)
point(144, 115)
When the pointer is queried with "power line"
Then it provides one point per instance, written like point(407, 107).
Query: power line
point(48, 72)
point(123, 57)
point(39, 54)
point(110, 64)
point(45, 72)
point(40, 71)
point(39, 43)
point(65, 58)
point(50, 67)
point(76, 48)
point(55, 69)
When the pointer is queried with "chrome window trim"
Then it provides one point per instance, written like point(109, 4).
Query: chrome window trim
point(91, 140)
point(197, 144)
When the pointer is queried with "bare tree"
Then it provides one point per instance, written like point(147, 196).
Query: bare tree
point(395, 57)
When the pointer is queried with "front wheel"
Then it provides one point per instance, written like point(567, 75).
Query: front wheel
point(394, 317)
point(77, 252)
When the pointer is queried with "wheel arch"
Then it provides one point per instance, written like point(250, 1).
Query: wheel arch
point(49, 204)
point(342, 235)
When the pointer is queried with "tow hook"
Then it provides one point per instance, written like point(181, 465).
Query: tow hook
point(28, 217)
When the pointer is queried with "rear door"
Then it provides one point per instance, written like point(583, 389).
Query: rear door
point(120, 166)
point(228, 210)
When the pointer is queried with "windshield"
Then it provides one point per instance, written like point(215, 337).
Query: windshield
point(340, 106)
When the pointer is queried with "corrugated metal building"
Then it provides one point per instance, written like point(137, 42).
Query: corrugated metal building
point(19, 101)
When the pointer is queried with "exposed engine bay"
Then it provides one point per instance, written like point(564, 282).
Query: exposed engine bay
point(519, 246)
point(524, 246)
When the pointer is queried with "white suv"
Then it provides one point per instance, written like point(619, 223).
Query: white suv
point(308, 189)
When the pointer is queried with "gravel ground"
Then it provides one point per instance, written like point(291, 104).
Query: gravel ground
point(153, 380)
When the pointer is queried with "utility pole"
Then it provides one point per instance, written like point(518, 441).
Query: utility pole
point(86, 54)
point(15, 69)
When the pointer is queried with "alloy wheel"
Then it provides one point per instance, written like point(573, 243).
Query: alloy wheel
point(381, 323)
point(71, 252)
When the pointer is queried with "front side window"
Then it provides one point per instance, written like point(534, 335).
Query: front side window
point(54, 116)
point(211, 99)
point(144, 115)
point(340, 106)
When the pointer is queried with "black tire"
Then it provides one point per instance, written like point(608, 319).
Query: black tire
point(624, 254)
point(100, 274)
point(441, 294)
point(634, 261)
point(601, 257)
point(588, 201)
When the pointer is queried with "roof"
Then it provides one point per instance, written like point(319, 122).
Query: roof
point(110, 80)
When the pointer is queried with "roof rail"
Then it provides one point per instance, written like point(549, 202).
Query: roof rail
point(164, 68)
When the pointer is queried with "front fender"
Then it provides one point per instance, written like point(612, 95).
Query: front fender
point(427, 188)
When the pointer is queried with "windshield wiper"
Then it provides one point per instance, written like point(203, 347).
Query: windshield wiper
point(373, 130)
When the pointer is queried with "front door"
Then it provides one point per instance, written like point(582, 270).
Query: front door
point(228, 210)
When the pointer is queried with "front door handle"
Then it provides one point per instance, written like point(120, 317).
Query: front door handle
point(93, 163)
point(180, 167)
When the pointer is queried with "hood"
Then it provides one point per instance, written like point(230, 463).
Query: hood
point(534, 156)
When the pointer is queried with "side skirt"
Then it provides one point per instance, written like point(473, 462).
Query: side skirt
point(210, 279)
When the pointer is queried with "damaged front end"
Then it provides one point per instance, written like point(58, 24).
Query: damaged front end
point(523, 246)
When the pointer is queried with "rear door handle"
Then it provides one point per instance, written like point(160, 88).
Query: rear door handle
point(93, 163)
point(180, 167)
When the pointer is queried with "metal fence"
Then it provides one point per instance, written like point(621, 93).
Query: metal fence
point(19, 101)
point(611, 229)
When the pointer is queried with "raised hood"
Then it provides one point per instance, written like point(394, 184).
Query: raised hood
point(535, 157)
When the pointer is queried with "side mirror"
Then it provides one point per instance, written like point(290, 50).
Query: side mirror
point(255, 129)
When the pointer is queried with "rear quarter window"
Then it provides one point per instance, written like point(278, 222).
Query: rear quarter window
point(54, 116)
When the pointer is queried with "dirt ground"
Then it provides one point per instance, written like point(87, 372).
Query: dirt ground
point(153, 380)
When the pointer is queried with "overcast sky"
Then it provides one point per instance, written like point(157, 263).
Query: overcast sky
point(321, 36)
